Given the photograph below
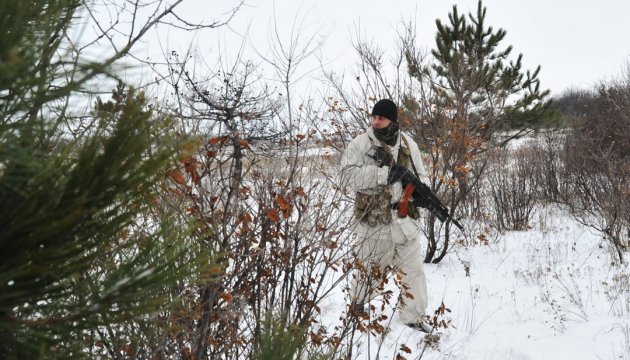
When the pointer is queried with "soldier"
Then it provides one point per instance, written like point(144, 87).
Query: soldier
point(373, 165)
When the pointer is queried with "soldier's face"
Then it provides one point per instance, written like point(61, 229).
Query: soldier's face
point(380, 122)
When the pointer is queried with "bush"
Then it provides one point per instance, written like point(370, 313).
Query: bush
point(513, 187)
point(548, 167)
point(596, 158)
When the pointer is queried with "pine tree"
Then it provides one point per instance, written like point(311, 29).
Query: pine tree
point(477, 92)
point(82, 252)
point(475, 77)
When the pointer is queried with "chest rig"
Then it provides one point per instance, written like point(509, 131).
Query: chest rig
point(374, 209)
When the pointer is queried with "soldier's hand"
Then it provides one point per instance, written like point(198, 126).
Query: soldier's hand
point(382, 157)
point(400, 173)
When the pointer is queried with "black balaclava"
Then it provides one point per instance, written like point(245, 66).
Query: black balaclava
point(387, 109)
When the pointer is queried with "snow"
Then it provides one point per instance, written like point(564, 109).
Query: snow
point(547, 293)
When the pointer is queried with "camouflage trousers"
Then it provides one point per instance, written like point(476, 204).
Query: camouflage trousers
point(396, 245)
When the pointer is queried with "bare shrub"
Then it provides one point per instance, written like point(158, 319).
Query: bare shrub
point(596, 157)
point(617, 293)
point(548, 168)
point(513, 189)
point(475, 205)
point(273, 223)
point(263, 205)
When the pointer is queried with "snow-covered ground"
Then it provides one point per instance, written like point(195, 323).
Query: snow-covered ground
point(547, 293)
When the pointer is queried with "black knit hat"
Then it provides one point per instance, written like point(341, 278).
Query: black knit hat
point(386, 108)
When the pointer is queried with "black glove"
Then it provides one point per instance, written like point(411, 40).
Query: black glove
point(382, 157)
point(400, 173)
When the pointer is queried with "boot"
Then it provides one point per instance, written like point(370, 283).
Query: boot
point(421, 326)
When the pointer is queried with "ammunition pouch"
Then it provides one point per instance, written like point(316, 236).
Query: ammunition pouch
point(373, 209)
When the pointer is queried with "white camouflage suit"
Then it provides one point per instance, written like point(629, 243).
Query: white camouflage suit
point(396, 244)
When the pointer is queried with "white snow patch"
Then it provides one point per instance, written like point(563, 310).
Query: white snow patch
point(546, 293)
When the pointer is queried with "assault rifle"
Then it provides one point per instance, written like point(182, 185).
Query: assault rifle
point(422, 196)
point(415, 190)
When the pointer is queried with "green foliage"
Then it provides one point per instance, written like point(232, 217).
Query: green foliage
point(572, 105)
point(550, 118)
point(474, 75)
point(83, 249)
point(73, 248)
point(278, 342)
point(33, 59)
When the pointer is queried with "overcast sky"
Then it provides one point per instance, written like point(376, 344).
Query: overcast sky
point(577, 43)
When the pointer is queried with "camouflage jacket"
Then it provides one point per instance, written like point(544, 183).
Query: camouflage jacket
point(361, 173)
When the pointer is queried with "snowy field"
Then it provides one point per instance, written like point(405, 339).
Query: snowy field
point(547, 293)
